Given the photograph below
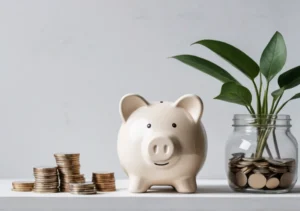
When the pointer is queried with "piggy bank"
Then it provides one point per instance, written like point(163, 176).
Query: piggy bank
point(161, 143)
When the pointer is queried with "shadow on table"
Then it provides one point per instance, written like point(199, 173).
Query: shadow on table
point(200, 189)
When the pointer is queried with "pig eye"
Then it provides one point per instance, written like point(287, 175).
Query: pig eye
point(174, 125)
point(149, 125)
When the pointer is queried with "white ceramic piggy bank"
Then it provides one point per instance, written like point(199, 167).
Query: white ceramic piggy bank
point(162, 143)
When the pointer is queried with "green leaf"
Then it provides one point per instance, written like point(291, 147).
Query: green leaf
point(277, 93)
point(206, 67)
point(296, 96)
point(234, 56)
point(290, 78)
point(235, 93)
point(273, 57)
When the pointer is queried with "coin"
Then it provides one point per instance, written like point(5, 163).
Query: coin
point(46, 179)
point(261, 164)
point(278, 169)
point(241, 179)
point(45, 190)
point(252, 159)
point(67, 155)
point(276, 162)
point(82, 188)
point(261, 170)
point(22, 184)
point(286, 180)
point(257, 181)
point(234, 160)
point(232, 179)
point(247, 169)
point(69, 169)
point(22, 190)
point(238, 154)
point(272, 183)
point(104, 181)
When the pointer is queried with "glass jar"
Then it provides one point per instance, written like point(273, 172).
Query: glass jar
point(261, 154)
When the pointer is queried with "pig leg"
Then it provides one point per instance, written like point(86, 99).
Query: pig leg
point(138, 185)
point(187, 185)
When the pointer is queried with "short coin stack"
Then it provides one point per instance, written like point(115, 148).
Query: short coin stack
point(69, 169)
point(82, 188)
point(104, 181)
point(46, 179)
point(261, 173)
point(23, 186)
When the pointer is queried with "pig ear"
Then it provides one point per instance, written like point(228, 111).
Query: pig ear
point(192, 104)
point(129, 103)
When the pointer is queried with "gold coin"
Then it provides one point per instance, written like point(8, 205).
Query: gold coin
point(261, 164)
point(27, 183)
point(247, 169)
point(272, 183)
point(22, 185)
point(241, 179)
point(22, 190)
point(257, 181)
point(276, 162)
point(252, 159)
point(261, 170)
point(66, 154)
point(278, 169)
point(286, 180)
point(46, 191)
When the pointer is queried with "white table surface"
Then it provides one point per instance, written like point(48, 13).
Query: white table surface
point(211, 195)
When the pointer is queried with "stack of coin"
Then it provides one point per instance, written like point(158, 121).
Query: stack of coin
point(46, 179)
point(69, 169)
point(82, 188)
point(22, 186)
point(261, 173)
point(104, 181)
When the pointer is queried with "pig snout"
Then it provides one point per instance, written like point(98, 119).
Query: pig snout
point(160, 149)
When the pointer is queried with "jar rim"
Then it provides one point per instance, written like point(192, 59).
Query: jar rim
point(255, 116)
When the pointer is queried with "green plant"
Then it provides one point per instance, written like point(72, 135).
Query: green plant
point(272, 61)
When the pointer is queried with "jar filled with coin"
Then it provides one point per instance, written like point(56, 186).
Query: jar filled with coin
point(262, 154)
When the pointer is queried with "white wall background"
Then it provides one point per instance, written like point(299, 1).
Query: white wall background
point(64, 65)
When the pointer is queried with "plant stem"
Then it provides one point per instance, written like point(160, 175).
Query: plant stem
point(260, 84)
point(262, 143)
point(272, 106)
point(277, 102)
point(265, 100)
point(248, 109)
point(276, 144)
point(251, 109)
point(269, 151)
point(257, 97)
point(279, 109)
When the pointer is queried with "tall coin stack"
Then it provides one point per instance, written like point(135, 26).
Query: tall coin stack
point(104, 181)
point(46, 179)
point(69, 170)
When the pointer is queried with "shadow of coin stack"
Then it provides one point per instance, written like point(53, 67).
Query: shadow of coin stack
point(46, 179)
point(104, 181)
point(69, 170)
